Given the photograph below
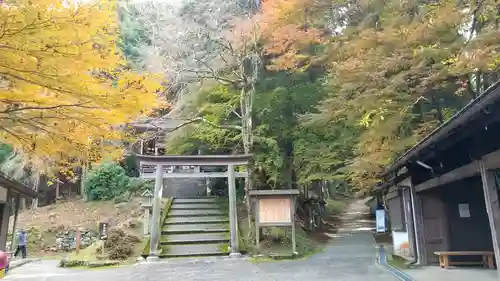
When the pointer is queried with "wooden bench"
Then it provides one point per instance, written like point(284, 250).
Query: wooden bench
point(444, 261)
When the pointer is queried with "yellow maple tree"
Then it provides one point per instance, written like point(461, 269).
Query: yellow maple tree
point(65, 90)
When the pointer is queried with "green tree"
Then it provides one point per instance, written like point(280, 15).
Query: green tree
point(106, 182)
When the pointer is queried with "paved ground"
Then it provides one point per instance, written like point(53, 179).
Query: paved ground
point(452, 274)
point(349, 257)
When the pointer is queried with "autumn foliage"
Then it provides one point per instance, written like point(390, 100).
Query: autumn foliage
point(65, 89)
point(287, 37)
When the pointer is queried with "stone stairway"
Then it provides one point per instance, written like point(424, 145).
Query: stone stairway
point(197, 226)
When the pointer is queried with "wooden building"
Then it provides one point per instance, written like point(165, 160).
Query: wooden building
point(442, 194)
point(11, 192)
point(155, 132)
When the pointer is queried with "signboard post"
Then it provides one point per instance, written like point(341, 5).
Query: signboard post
point(103, 230)
point(103, 234)
point(380, 219)
point(275, 208)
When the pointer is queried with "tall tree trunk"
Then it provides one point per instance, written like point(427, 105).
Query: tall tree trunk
point(36, 185)
point(57, 189)
point(22, 203)
point(83, 193)
point(437, 106)
point(246, 104)
point(288, 163)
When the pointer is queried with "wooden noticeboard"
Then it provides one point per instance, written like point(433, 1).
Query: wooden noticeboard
point(274, 208)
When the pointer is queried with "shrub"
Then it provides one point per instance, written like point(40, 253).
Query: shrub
point(138, 185)
point(120, 245)
point(106, 182)
point(130, 166)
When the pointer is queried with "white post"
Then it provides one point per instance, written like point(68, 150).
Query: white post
point(233, 221)
point(155, 227)
point(147, 222)
point(142, 148)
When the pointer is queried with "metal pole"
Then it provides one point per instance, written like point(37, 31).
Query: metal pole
point(155, 227)
point(233, 221)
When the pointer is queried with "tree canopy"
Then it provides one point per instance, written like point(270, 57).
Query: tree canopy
point(345, 86)
point(65, 88)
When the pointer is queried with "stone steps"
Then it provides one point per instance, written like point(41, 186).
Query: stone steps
point(195, 227)
point(200, 200)
point(197, 220)
point(198, 206)
point(196, 238)
point(195, 213)
point(194, 250)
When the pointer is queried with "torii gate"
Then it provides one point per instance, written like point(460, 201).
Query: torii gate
point(161, 161)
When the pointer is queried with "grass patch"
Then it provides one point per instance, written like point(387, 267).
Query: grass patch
point(398, 262)
point(275, 241)
point(88, 254)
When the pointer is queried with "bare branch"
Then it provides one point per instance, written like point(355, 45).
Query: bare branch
point(82, 105)
point(237, 114)
point(189, 122)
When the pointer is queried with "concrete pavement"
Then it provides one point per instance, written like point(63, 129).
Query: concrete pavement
point(351, 256)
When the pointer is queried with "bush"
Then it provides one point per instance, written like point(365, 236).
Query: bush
point(120, 245)
point(130, 166)
point(106, 182)
point(138, 185)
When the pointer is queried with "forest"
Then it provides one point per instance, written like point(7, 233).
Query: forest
point(318, 91)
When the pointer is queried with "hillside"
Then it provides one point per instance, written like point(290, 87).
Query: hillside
point(46, 224)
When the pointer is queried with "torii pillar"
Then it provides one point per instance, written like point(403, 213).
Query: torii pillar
point(162, 161)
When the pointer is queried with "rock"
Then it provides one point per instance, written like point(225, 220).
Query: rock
point(102, 257)
point(66, 240)
point(102, 263)
point(53, 217)
point(72, 263)
point(140, 259)
point(132, 223)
